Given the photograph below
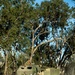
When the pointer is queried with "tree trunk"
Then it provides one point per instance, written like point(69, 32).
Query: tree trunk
point(14, 66)
point(6, 60)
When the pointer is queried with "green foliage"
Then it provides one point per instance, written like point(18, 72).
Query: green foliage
point(12, 17)
point(56, 11)
point(18, 17)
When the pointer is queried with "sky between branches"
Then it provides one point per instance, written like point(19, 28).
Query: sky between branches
point(70, 2)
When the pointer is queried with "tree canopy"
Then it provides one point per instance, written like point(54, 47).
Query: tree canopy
point(43, 31)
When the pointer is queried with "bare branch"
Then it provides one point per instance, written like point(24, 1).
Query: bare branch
point(41, 34)
point(46, 42)
point(69, 46)
point(37, 28)
point(41, 25)
point(65, 41)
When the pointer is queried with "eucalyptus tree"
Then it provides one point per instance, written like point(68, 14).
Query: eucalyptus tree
point(54, 16)
point(48, 18)
point(13, 16)
point(26, 27)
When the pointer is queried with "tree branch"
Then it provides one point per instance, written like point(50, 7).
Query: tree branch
point(46, 42)
point(37, 28)
point(41, 34)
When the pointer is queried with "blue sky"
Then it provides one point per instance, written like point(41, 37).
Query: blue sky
point(70, 2)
